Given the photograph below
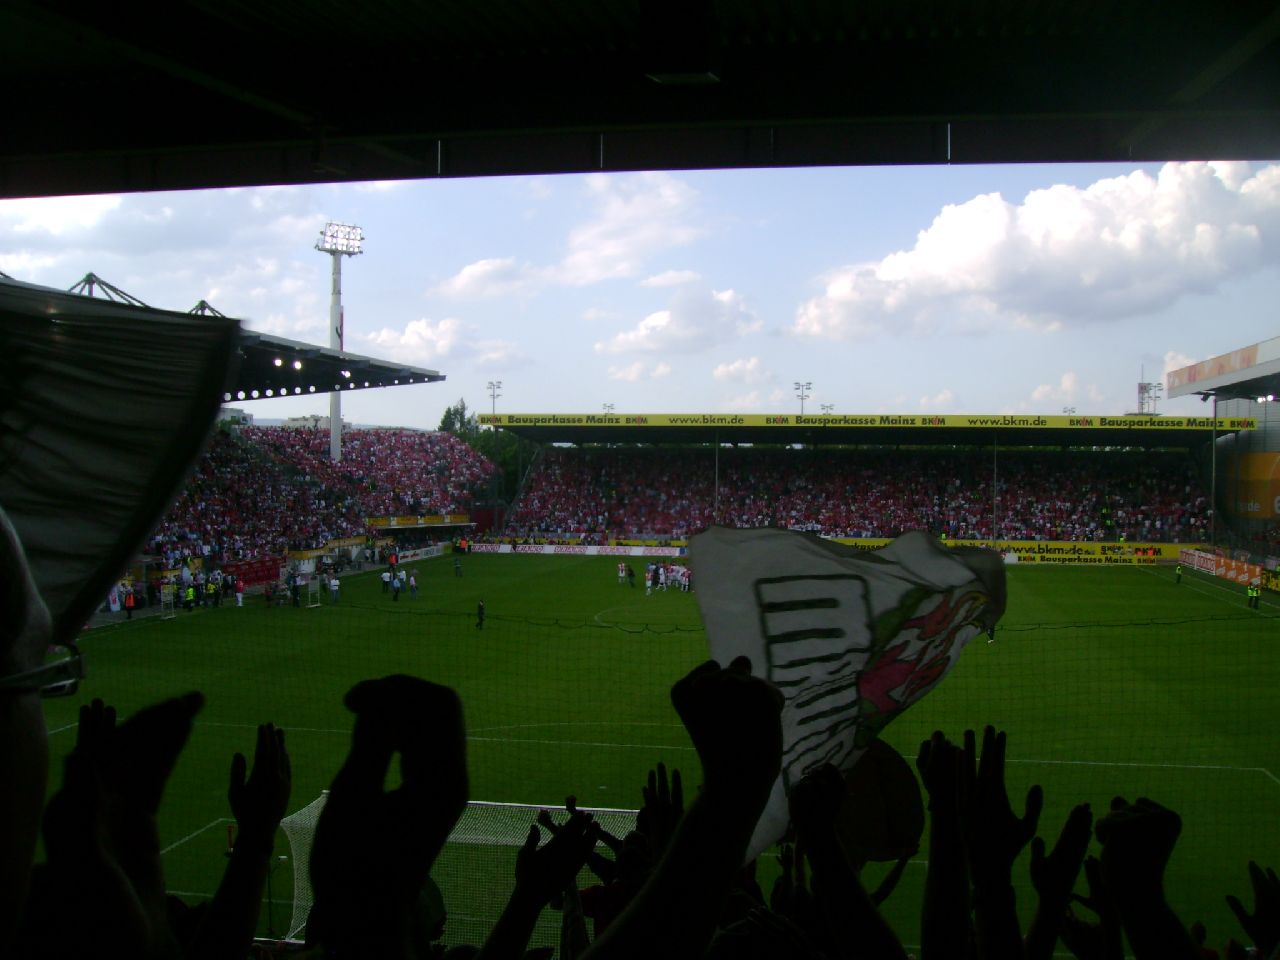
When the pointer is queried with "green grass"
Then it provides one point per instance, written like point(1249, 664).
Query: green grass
point(1108, 680)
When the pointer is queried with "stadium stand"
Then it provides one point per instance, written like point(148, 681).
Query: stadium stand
point(272, 489)
point(597, 493)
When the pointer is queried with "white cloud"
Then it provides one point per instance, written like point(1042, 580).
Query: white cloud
point(747, 401)
point(630, 373)
point(942, 400)
point(743, 370)
point(671, 278)
point(293, 327)
point(639, 370)
point(1121, 247)
point(493, 277)
point(498, 355)
point(1068, 389)
point(1064, 389)
point(1173, 360)
point(635, 217)
point(696, 319)
point(58, 216)
point(428, 342)
point(420, 342)
point(379, 186)
point(24, 263)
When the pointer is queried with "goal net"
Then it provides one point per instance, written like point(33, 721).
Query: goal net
point(475, 871)
point(168, 601)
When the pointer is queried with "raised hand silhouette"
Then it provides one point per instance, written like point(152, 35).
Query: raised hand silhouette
point(374, 847)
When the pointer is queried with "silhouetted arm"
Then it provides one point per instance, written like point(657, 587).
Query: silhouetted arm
point(734, 722)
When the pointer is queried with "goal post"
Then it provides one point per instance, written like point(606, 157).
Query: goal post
point(476, 863)
point(313, 591)
point(168, 601)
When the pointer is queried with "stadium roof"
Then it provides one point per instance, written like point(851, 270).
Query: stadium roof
point(267, 366)
point(121, 97)
point(872, 429)
point(1248, 373)
point(274, 366)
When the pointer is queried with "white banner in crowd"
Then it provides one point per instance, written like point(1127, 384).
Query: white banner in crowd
point(851, 637)
point(421, 553)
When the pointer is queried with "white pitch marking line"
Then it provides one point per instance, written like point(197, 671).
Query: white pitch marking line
point(477, 730)
point(607, 623)
point(193, 835)
point(254, 726)
point(1157, 766)
point(582, 743)
point(649, 746)
point(1206, 582)
point(579, 723)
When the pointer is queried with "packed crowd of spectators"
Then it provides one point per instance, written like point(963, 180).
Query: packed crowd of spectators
point(675, 886)
point(391, 472)
point(597, 493)
point(679, 885)
point(272, 489)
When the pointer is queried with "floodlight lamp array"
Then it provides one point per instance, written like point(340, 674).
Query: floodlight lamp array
point(341, 238)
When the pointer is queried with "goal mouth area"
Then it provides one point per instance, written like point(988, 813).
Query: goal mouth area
point(488, 824)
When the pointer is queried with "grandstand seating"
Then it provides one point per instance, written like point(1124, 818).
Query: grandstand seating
point(272, 489)
point(1040, 495)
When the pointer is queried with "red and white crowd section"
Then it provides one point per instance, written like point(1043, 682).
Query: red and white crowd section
point(597, 494)
point(272, 489)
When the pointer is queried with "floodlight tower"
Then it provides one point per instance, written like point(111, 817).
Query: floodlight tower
point(802, 391)
point(338, 240)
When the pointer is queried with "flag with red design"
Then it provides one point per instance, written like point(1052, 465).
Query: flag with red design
point(851, 637)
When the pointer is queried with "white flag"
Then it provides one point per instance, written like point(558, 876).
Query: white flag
point(851, 637)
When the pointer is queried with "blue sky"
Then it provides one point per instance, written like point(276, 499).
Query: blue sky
point(896, 289)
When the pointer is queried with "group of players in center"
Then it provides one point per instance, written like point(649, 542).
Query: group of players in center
point(658, 575)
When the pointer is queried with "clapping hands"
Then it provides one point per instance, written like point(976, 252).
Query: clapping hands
point(374, 847)
point(260, 801)
point(1263, 924)
point(994, 834)
point(734, 720)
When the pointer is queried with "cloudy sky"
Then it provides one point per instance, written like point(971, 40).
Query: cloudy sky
point(940, 289)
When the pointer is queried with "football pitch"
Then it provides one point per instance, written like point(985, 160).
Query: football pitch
point(1111, 680)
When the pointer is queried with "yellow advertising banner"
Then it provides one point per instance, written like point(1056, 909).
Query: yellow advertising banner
point(1060, 551)
point(427, 520)
point(1255, 488)
point(924, 421)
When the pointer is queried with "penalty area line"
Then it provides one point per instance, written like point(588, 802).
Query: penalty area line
point(1204, 583)
point(196, 833)
point(1155, 766)
point(582, 743)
